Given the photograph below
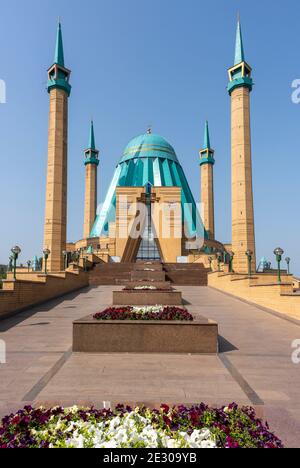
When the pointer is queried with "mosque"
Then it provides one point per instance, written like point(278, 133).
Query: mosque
point(149, 174)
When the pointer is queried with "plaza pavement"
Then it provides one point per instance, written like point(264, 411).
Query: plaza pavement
point(254, 366)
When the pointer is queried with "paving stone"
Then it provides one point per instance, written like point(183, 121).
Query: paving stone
point(256, 344)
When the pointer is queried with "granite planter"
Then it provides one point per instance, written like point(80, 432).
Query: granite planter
point(147, 298)
point(92, 336)
point(157, 284)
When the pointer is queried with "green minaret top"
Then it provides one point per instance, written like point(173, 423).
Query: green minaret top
point(239, 46)
point(206, 144)
point(207, 153)
point(91, 154)
point(59, 48)
point(58, 74)
point(240, 73)
point(92, 145)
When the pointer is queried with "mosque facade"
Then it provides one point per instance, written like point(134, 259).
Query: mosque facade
point(149, 212)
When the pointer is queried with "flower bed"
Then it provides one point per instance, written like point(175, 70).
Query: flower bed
point(145, 313)
point(146, 288)
point(180, 427)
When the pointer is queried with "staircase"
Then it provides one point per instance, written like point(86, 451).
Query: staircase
point(111, 273)
point(190, 274)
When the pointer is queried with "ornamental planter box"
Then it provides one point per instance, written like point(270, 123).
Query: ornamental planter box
point(92, 336)
point(153, 266)
point(147, 298)
point(140, 275)
point(156, 284)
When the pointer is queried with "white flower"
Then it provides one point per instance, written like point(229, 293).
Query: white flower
point(130, 431)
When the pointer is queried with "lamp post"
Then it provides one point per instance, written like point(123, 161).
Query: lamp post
point(15, 255)
point(28, 265)
point(65, 255)
point(249, 255)
point(77, 256)
point(46, 253)
point(210, 263)
point(288, 261)
point(219, 261)
point(278, 253)
point(85, 259)
point(231, 256)
point(10, 264)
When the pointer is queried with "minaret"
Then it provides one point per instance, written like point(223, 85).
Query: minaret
point(56, 191)
point(91, 167)
point(239, 88)
point(207, 162)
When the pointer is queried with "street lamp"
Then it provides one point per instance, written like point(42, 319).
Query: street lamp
point(288, 261)
point(210, 263)
point(15, 255)
point(46, 253)
point(278, 253)
point(10, 264)
point(65, 255)
point(249, 255)
point(231, 256)
point(219, 261)
point(28, 265)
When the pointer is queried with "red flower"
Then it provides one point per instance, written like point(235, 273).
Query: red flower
point(195, 418)
point(165, 408)
point(16, 420)
point(167, 421)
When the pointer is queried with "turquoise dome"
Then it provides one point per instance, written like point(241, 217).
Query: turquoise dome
point(149, 145)
point(148, 158)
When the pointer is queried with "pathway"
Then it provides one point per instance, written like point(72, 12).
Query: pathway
point(254, 366)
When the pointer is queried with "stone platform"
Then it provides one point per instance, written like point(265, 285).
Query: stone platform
point(92, 336)
point(156, 284)
point(147, 298)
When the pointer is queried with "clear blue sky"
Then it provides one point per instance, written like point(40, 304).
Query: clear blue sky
point(136, 62)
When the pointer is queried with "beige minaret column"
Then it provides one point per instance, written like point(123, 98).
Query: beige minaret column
point(207, 162)
point(91, 168)
point(56, 190)
point(243, 233)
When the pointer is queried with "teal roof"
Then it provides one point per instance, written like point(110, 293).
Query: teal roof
point(91, 153)
point(239, 46)
point(149, 144)
point(206, 144)
point(59, 48)
point(92, 144)
point(148, 158)
point(58, 74)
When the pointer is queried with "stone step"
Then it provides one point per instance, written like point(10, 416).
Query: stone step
point(177, 274)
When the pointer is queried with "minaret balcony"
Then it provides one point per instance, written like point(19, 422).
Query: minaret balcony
point(58, 77)
point(207, 157)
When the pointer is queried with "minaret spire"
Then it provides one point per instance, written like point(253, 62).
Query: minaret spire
point(59, 48)
point(207, 162)
point(91, 182)
point(206, 144)
point(92, 144)
point(239, 46)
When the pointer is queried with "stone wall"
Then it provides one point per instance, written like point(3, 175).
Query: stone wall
point(261, 290)
point(36, 289)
